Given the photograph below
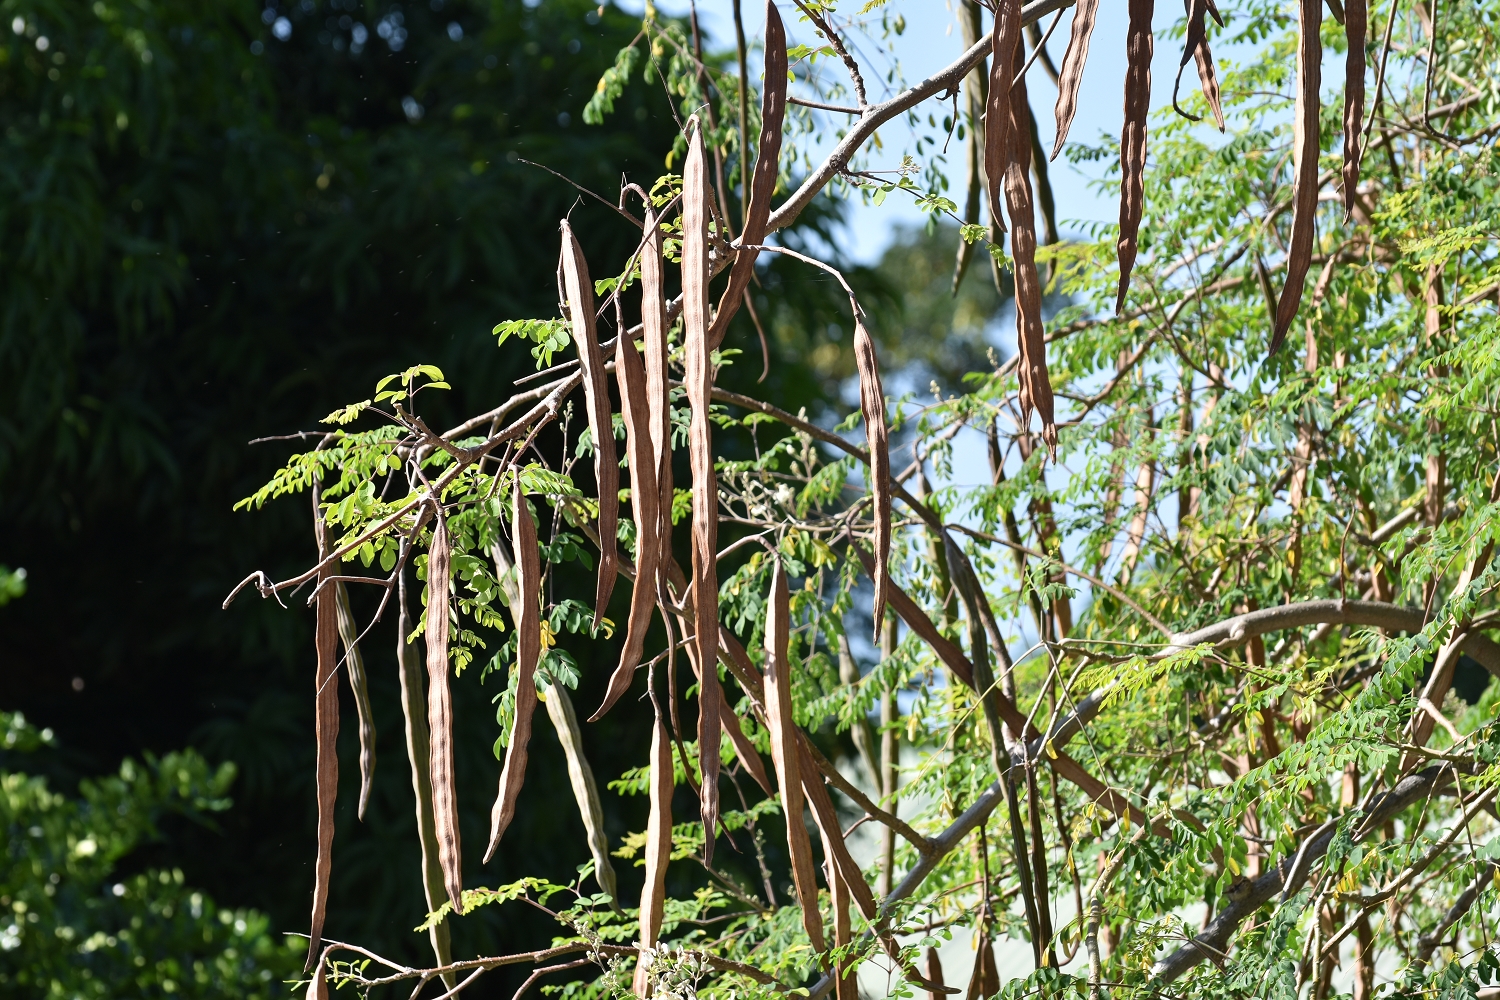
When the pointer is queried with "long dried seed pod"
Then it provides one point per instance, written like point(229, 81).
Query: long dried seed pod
point(1208, 80)
point(1043, 178)
point(1305, 148)
point(440, 711)
point(580, 291)
point(846, 985)
point(1138, 50)
point(1036, 388)
point(763, 182)
point(743, 748)
point(645, 500)
point(1071, 73)
point(658, 850)
point(318, 988)
point(974, 97)
point(585, 789)
point(699, 379)
point(1005, 38)
point(526, 613)
point(984, 981)
point(360, 683)
point(418, 751)
point(827, 820)
point(326, 726)
point(658, 383)
point(877, 436)
point(1195, 46)
point(1356, 16)
point(786, 754)
point(933, 970)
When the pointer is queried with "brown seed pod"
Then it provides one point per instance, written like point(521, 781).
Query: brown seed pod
point(1209, 81)
point(1356, 16)
point(786, 754)
point(984, 981)
point(418, 748)
point(1138, 50)
point(1305, 148)
point(318, 988)
point(1036, 388)
point(359, 683)
point(877, 436)
point(440, 711)
point(1005, 39)
point(326, 725)
point(1195, 46)
point(934, 972)
point(699, 380)
point(528, 621)
point(658, 849)
point(580, 292)
point(846, 985)
point(658, 383)
point(1071, 73)
point(827, 820)
point(630, 372)
point(743, 748)
point(763, 181)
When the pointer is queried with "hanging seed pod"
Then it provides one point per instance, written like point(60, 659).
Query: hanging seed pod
point(1036, 388)
point(1071, 74)
point(1209, 82)
point(418, 749)
point(440, 711)
point(1195, 46)
point(318, 988)
point(658, 384)
point(743, 748)
point(826, 818)
point(1305, 148)
point(630, 372)
point(846, 983)
point(763, 181)
point(785, 753)
point(658, 850)
point(580, 291)
point(985, 979)
point(933, 970)
point(1356, 17)
point(699, 379)
point(585, 790)
point(326, 725)
point(974, 98)
point(528, 621)
point(1138, 50)
point(349, 635)
point(877, 436)
point(1005, 39)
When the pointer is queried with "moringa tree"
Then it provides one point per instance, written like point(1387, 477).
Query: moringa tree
point(1188, 689)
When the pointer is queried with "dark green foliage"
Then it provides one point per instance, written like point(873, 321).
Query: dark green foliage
point(75, 925)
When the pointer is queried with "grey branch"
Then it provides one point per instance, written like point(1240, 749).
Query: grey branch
point(1248, 896)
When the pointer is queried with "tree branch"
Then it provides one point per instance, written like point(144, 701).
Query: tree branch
point(1247, 896)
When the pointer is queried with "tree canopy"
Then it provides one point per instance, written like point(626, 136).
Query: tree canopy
point(1187, 685)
